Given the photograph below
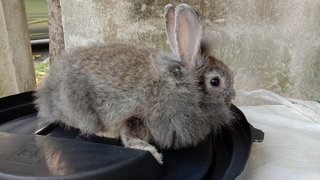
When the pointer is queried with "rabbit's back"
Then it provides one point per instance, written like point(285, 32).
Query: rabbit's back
point(125, 66)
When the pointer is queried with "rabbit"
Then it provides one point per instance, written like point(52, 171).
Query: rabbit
point(144, 96)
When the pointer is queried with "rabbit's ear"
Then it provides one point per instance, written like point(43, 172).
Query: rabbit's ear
point(188, 31)
point(169, 16)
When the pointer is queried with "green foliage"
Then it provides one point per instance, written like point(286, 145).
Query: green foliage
point(41, 69)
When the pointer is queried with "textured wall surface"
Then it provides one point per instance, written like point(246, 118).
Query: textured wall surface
point(270, 44)
point(16, 67)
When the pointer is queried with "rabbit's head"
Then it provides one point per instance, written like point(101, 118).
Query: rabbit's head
point(185, 35)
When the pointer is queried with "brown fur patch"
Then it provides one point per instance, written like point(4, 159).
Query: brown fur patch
point(136, 127)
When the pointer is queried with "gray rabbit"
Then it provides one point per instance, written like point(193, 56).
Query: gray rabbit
point(140, 94)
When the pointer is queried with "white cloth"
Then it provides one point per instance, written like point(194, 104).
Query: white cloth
point(291, 146)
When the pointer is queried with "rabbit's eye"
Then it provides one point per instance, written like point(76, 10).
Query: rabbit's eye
point(215, 81)
point(176, 70)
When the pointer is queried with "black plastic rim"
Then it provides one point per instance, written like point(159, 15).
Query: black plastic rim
point(222, 156)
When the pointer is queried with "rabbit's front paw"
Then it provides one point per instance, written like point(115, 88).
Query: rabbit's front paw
point(151, 149)
point(137, 143)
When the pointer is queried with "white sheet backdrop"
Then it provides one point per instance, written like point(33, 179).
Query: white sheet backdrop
point(291, 146)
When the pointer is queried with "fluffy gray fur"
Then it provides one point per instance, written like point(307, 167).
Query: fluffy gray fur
point(140, 94)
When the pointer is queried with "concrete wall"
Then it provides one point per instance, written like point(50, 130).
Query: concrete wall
point(16, 67)
point(270, 44)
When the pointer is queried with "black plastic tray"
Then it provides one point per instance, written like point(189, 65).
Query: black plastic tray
point(52, 152)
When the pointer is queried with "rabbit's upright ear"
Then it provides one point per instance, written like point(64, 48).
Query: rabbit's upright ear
point(169, 16)
point(188, 31)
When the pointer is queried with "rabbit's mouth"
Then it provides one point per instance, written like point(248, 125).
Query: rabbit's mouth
point(228, 104)
point(228, 101)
